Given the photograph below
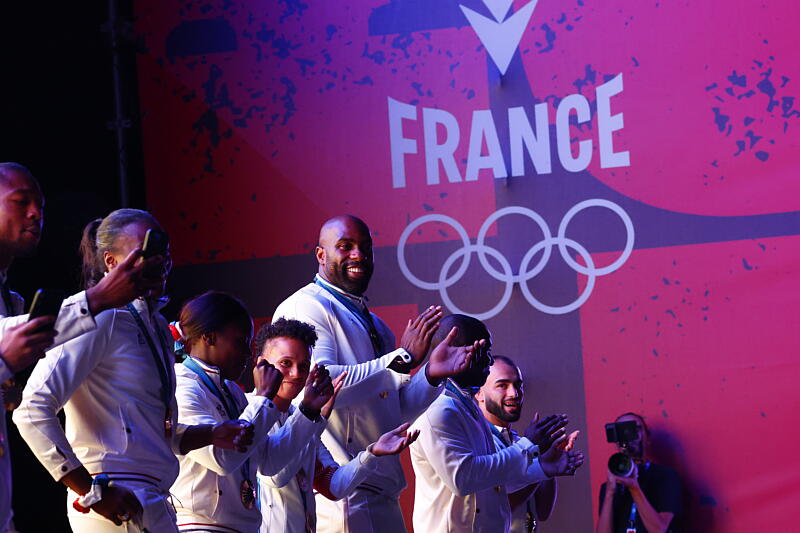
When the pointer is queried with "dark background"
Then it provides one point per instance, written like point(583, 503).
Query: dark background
point(56, 100)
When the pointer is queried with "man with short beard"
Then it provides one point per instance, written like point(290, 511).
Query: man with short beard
point(500, 400)
point(461, 474)
point(378, 393)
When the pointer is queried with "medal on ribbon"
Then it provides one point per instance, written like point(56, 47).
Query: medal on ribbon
point(248, 494)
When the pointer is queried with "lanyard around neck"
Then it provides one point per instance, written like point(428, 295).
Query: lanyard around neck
point(161, 365)
point(230, 407)
point(362, 315)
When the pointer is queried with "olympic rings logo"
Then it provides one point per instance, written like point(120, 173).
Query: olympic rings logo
point(526, 272)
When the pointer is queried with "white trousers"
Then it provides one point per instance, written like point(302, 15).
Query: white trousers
point(158, 513)
point(361, 512)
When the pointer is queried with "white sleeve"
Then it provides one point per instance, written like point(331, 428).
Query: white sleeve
point(196, 407)
point(74, 319)
point(358, 382)
point(445, 443)
point(52, 383)
point(416, 395)
point(347, 477)
point(279, 451)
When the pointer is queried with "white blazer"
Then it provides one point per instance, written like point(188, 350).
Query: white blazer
point(285, 503)
point(374, 399)
point(108, 385)
point(460, 475)
point(74, 319)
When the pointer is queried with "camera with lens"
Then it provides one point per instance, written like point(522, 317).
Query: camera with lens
point(621, 464)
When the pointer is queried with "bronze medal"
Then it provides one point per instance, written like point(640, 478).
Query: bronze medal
point(248, 494)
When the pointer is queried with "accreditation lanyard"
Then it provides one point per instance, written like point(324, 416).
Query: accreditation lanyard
point(632, 516)
point(230, 407)
point(362, 315)
point(632, 519)
point(161, 365)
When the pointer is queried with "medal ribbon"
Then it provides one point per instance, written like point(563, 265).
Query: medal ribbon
point(230, 407)
point(362, 315)
point(161, 365)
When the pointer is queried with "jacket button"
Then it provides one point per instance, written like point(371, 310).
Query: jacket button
point(384, 395)
point(64, 468)
point(477, 510)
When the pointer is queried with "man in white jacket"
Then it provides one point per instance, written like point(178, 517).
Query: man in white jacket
point(22, 343)
point(379, 394)
point(500, 400)
point(461, 475)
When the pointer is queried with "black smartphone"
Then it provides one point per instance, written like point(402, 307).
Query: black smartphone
point(155, 243)
point(46, 302)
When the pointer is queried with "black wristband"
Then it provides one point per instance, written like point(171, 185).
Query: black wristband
point(308, 412)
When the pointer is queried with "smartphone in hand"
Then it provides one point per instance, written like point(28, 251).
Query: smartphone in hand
point(155, 243)
point(46, 302)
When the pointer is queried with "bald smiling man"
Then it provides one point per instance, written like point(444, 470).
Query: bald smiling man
point(378, 394)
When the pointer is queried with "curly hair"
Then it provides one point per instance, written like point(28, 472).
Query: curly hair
point(288, 328)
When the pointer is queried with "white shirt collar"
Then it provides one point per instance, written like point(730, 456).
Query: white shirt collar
point(361, 300)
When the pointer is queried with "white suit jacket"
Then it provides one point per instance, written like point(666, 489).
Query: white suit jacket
point(284, 503)
point(207, 491)
point(374, 399)
point(109, 387)
point(73, 320)
point(460, 475)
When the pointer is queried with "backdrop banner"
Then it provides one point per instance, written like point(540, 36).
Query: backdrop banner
point(611, 186)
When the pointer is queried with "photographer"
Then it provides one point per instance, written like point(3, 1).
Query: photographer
point(648, 498)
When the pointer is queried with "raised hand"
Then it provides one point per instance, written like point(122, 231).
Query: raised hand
point(447, 360)
point(118, 504)
point(570, 442)
point(232, 435)
point(544, 433)
point(129, 280)
point(267, 379)
point(395, 441)
point(337, 383)
point(319, 389)
point(557, 462)
point(24, 344)
point(416, 339)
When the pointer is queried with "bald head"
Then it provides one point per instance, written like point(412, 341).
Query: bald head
point(344, 253)
point(333, 227)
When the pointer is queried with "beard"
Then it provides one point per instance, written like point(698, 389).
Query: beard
point(496, 408)
point(337, 274)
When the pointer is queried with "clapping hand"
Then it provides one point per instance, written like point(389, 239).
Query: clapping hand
point(337, 383)
point(416, 339)
point(319, 389)
point(544, 433)
point(448, 360)
point(395, 441)
point(557, 462)
point(233, 435)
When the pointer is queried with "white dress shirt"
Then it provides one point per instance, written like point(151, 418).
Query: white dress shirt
point(287, 497)
point(460, 474)
point(374, 400)
point(74, 319)
point(109, 387)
